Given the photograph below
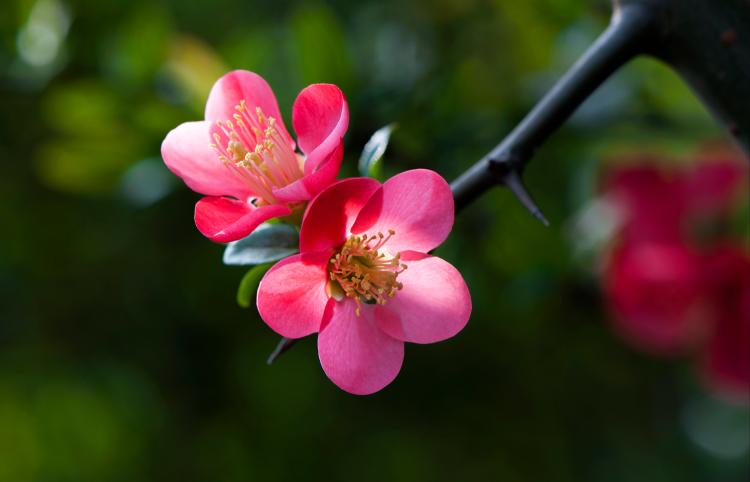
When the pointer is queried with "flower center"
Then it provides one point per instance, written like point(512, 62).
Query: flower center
point(254, 148)
point(362, 270)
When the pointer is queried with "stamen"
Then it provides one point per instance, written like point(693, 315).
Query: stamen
point(252, 147)
point(363, 272)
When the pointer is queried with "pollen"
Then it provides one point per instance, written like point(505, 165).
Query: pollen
point(364, 271)
point(250, 145)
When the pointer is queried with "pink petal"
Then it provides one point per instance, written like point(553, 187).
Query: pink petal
point(330, 215)
point(310, 185)
point(650, 200)
point(659, 297)
point(355, 354)
point(433, 305)
point(240, 85)
point(223, 220)
point(320, 117)
point(292, 294)
point(186, 153)
point(416, 204)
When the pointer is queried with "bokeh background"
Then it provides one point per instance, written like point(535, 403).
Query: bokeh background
point(123, 354)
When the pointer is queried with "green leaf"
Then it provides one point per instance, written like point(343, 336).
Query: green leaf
point(249, 284)
point(369, 160)
point(269, 242)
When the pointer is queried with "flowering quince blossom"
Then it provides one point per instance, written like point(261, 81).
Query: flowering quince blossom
point(244, 161)
point(669, 293)
point(363, 280)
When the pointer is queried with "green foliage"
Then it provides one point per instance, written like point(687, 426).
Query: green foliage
point(249, 284)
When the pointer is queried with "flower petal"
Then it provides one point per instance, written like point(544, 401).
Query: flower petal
point(320, 117)
point(330, 215)
point(186, 153)
point(223, 220)
point(433, 305)
point(239, 85)
point(292, 294)
point(310, 185)
point(416, 204)
point(657, 294)
point(649, 200)
point(354, 353)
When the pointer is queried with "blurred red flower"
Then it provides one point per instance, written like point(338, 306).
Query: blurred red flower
point(673, 289)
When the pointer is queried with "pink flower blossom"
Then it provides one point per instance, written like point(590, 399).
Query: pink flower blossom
point(363, 280)
point(671, 288)
point(657, 293)
point(242, 158)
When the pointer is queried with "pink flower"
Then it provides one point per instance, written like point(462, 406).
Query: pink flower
point(671, 288)
point(657, 294)
point(363, 280)
point(243, 159)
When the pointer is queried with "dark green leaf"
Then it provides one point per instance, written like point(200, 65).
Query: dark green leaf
point(249, 284)
point(269, 242)
point(369, 160)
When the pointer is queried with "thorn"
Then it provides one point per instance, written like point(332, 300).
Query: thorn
point(284, 345)
point(513, 182)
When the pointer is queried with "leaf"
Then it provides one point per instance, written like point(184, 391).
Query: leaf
point(269, 242)
point(369, 160)
point(249, 284)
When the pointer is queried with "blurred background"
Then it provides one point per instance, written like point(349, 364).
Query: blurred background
point(123, 353)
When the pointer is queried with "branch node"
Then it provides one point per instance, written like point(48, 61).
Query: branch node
point(512, 181)
point(284, 345)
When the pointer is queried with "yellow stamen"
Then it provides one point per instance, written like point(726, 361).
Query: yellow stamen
point(253, 148)
point(363, 271)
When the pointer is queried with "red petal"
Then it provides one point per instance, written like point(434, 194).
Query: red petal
point(330, 215)
point(223, 220)
point(320, 117)
point(433, 305)
point(186, 153)
point(354, 353)
point(292, 295)
point(416, 204)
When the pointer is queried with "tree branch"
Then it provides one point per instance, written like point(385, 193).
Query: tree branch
point(621, 41)
point(706, 41)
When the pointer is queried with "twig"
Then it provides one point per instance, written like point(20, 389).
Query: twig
point(620, 42)
point(283, 345)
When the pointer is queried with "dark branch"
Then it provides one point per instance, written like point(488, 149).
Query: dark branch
point(514, 183)
point(283, 345)
point(706, 41)
point(620, 42)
